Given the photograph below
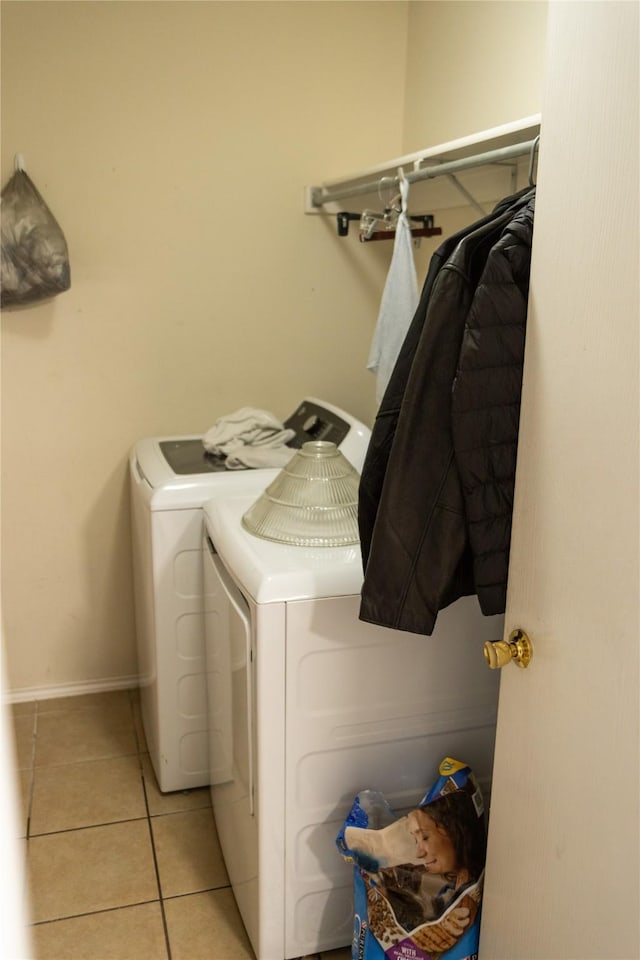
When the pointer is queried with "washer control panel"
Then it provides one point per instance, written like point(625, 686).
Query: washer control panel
point(312, 421)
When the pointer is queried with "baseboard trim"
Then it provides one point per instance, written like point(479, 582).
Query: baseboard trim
point(70, 689)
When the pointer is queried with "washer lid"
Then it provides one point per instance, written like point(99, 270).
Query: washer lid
point(162, 489)
point(276, 572)
point(313, 419)
point(187, 456)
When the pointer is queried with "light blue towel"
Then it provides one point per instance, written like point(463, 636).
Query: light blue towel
point(399, 301)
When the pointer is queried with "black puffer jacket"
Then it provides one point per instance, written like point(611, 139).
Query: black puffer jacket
point(386, 423)
point(418, 557)
point(485, 410)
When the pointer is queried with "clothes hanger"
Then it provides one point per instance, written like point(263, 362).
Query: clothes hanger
point(370, 220)
point(344, 218)
point(427, 229)
point(393, 209)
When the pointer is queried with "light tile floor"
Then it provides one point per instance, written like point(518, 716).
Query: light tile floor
point(116, 869)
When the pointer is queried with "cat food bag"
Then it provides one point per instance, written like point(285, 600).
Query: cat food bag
point(35, 260)
point(418, 877)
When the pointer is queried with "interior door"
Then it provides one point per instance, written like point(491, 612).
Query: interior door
point(562, 867)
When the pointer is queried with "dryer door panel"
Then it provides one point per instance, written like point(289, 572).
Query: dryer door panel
point(230, 688)
point(229, 680)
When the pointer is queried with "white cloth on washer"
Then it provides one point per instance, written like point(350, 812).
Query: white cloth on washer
point(249, 429)
point(250, 456)
point(246, 426)
point(399, 302)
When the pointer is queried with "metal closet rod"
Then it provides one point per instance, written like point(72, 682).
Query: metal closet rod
point(320, 196)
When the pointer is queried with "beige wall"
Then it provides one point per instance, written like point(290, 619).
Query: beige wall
point(472, 65)
point(173, 141)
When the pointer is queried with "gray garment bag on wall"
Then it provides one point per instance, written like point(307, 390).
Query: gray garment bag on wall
point(35, 258)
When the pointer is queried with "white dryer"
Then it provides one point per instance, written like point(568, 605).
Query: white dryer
point(170, 479)
point(308, 706)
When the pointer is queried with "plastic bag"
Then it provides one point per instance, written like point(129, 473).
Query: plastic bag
point(35, 259)
point(418, 878)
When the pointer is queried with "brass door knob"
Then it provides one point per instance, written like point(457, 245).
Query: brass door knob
point(517, 649)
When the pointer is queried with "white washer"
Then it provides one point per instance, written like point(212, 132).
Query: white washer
point(170, 478)
point(308, 706)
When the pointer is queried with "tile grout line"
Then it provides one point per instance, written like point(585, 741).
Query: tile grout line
point(148, 818)
point(96, 759)
point(156, 866)
point(88, 826)
point(26, 891)
point(196, 893)
point(92, 913)
point(139, 746)
point(32, 771)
